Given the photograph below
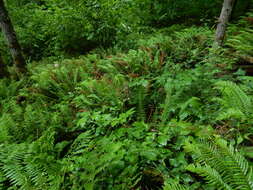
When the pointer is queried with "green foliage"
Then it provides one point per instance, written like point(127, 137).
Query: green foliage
point(240, 38)
point(30, 166)
point(234, 100)
point(174, 187)
point(197, 84)
point(58, 80)
point(221, 165)
point(242, 43)
point(10, 88)
point(56, 27)
point(190, 45)
point(164, 13)
point(116, 119)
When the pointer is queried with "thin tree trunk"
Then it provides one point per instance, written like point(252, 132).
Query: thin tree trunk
point(3, 69)
point(223, 21)
point(11, 38)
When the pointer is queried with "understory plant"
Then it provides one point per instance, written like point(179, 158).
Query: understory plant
point(129, 120)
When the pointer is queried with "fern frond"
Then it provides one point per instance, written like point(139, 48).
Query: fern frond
point(24, 168)
point(230, 113)
point(211, 175)
point(174, 186)
point(242, 42)
point(234, 97)
point(216, 158)
point(13, 169)
point(239, 173)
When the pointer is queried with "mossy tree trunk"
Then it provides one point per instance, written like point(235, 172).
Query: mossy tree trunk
point(223, 21)
point(11, 39)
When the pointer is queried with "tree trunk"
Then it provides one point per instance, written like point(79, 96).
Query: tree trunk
point(11, 38)
point(223, 20)
point(3, 69)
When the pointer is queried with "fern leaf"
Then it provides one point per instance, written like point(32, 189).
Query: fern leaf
point(211, 175)
point(215, 157)
point(174, 186)
point(234, 97)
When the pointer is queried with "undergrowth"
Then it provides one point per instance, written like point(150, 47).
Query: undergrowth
point(130, 120)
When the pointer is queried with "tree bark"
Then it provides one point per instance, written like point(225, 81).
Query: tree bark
point(11, 39)
point(223, 21)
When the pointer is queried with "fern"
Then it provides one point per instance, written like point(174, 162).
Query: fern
point(174, 186)
point(58, 81)
point(9, 89)
point(29, 166)
point(234, 100)
point(221, 165)
point(241, 39)
point(243, 43)
point(210, 174)
point(12, 167)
